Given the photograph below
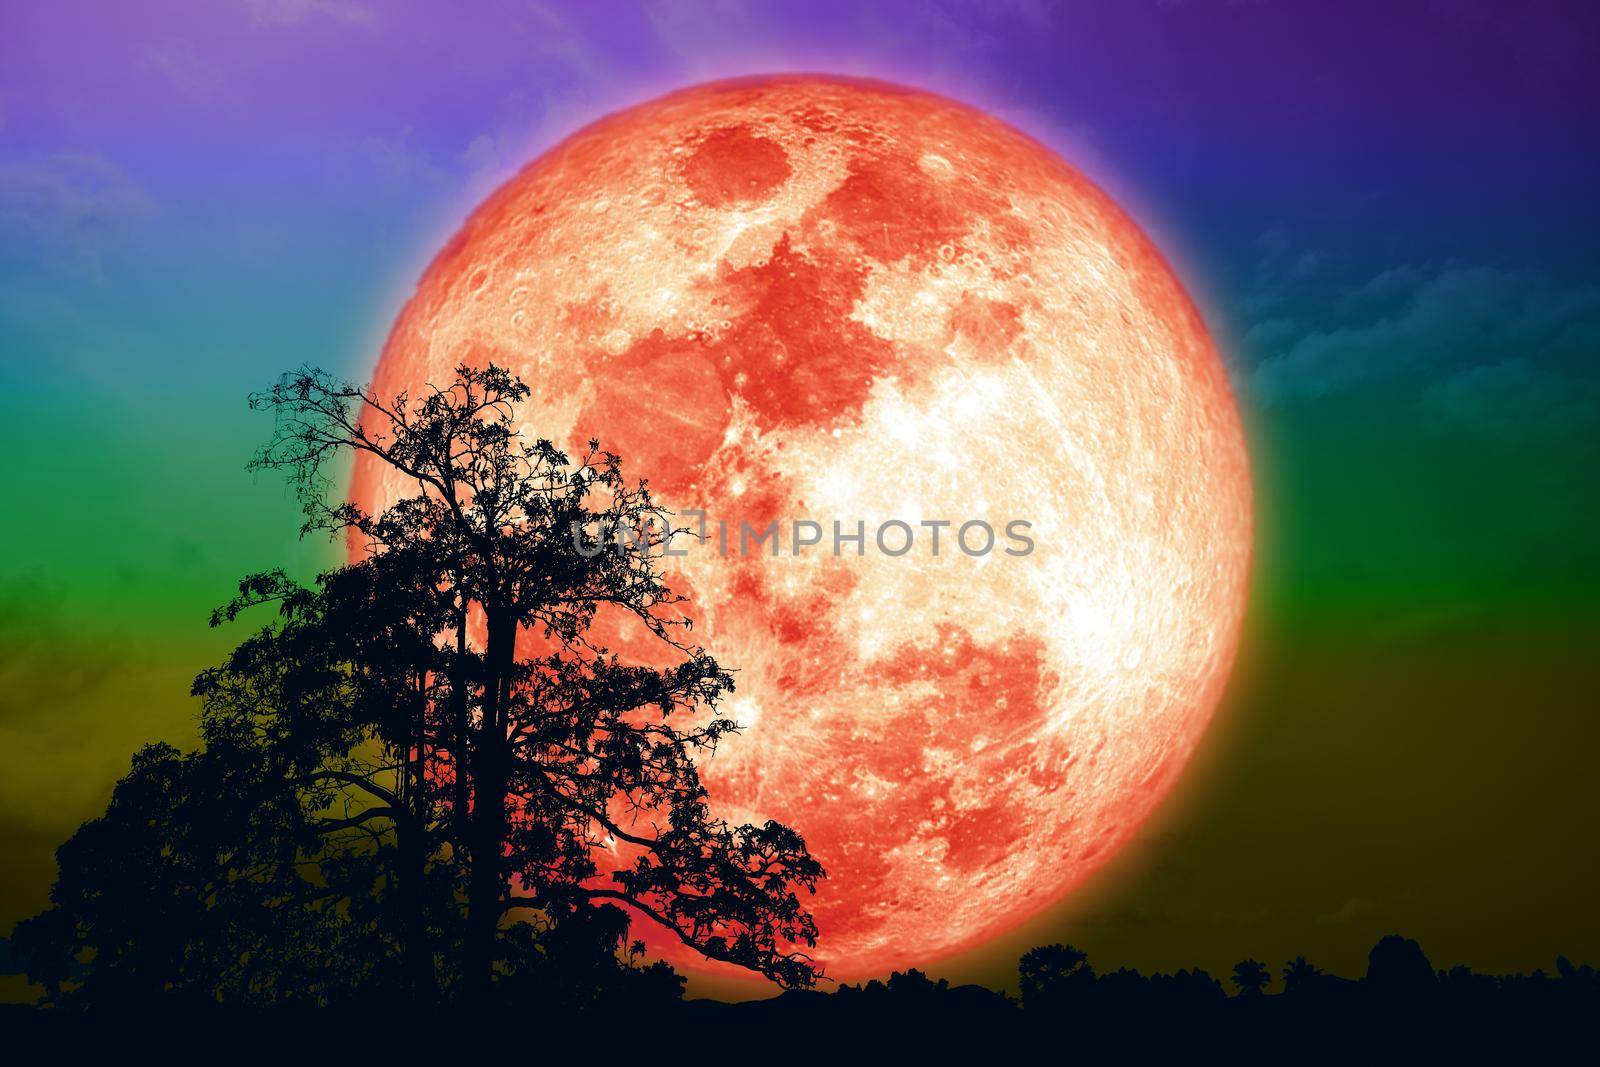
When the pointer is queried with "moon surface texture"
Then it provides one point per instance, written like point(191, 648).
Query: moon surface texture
point(811, 298)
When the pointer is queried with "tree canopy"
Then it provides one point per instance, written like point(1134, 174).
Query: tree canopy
point(410, 773)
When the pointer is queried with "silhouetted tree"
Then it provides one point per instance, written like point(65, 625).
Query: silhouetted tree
point(1188, 988)
point(1051, 973)
point(1397, 966)
point(1299, 975)
point(435, 739)
point(1582, 978)
point(1124, 983)
point(192, 888)
point(915, 983)
point(330, 700)
point(1251, 978)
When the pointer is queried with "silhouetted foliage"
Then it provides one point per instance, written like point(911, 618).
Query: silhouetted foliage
point(1300, 975)
point(1400, 1005)
point(1125, 1015)
point(1052, 972)
point(1397, 966)
point(1251, 978)
point(432, 741)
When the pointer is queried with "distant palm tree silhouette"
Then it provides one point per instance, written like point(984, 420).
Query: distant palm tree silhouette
point(1251, 978)
point(1299, 975)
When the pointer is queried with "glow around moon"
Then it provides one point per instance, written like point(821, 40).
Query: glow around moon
point(809, 298)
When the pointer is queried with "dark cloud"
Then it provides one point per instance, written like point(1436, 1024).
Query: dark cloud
point(1464, 338)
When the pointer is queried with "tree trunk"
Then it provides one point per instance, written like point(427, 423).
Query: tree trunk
point(412, 863)
point(416, 953)
point(461, 740)
point(491, 763)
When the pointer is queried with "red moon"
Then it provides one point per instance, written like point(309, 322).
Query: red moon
point(808, 297)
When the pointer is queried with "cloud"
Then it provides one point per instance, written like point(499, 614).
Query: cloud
point(62, 211)
point(394, 162)
point(1269, 333)
point(182, 65)
point(952, 46)
point(1123, 917)
point(1514, 396)
point(1425, 328)
point(290, 12)
point(1352, 910)
point(958, 46)
point(531, 127)
point(556, 38)
point(1280, 269)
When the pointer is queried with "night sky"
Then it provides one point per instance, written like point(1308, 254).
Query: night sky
point(1385, 210)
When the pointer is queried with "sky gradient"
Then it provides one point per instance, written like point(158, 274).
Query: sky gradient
point(1385, 210)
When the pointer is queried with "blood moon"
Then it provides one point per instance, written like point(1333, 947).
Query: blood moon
point(802, 297)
